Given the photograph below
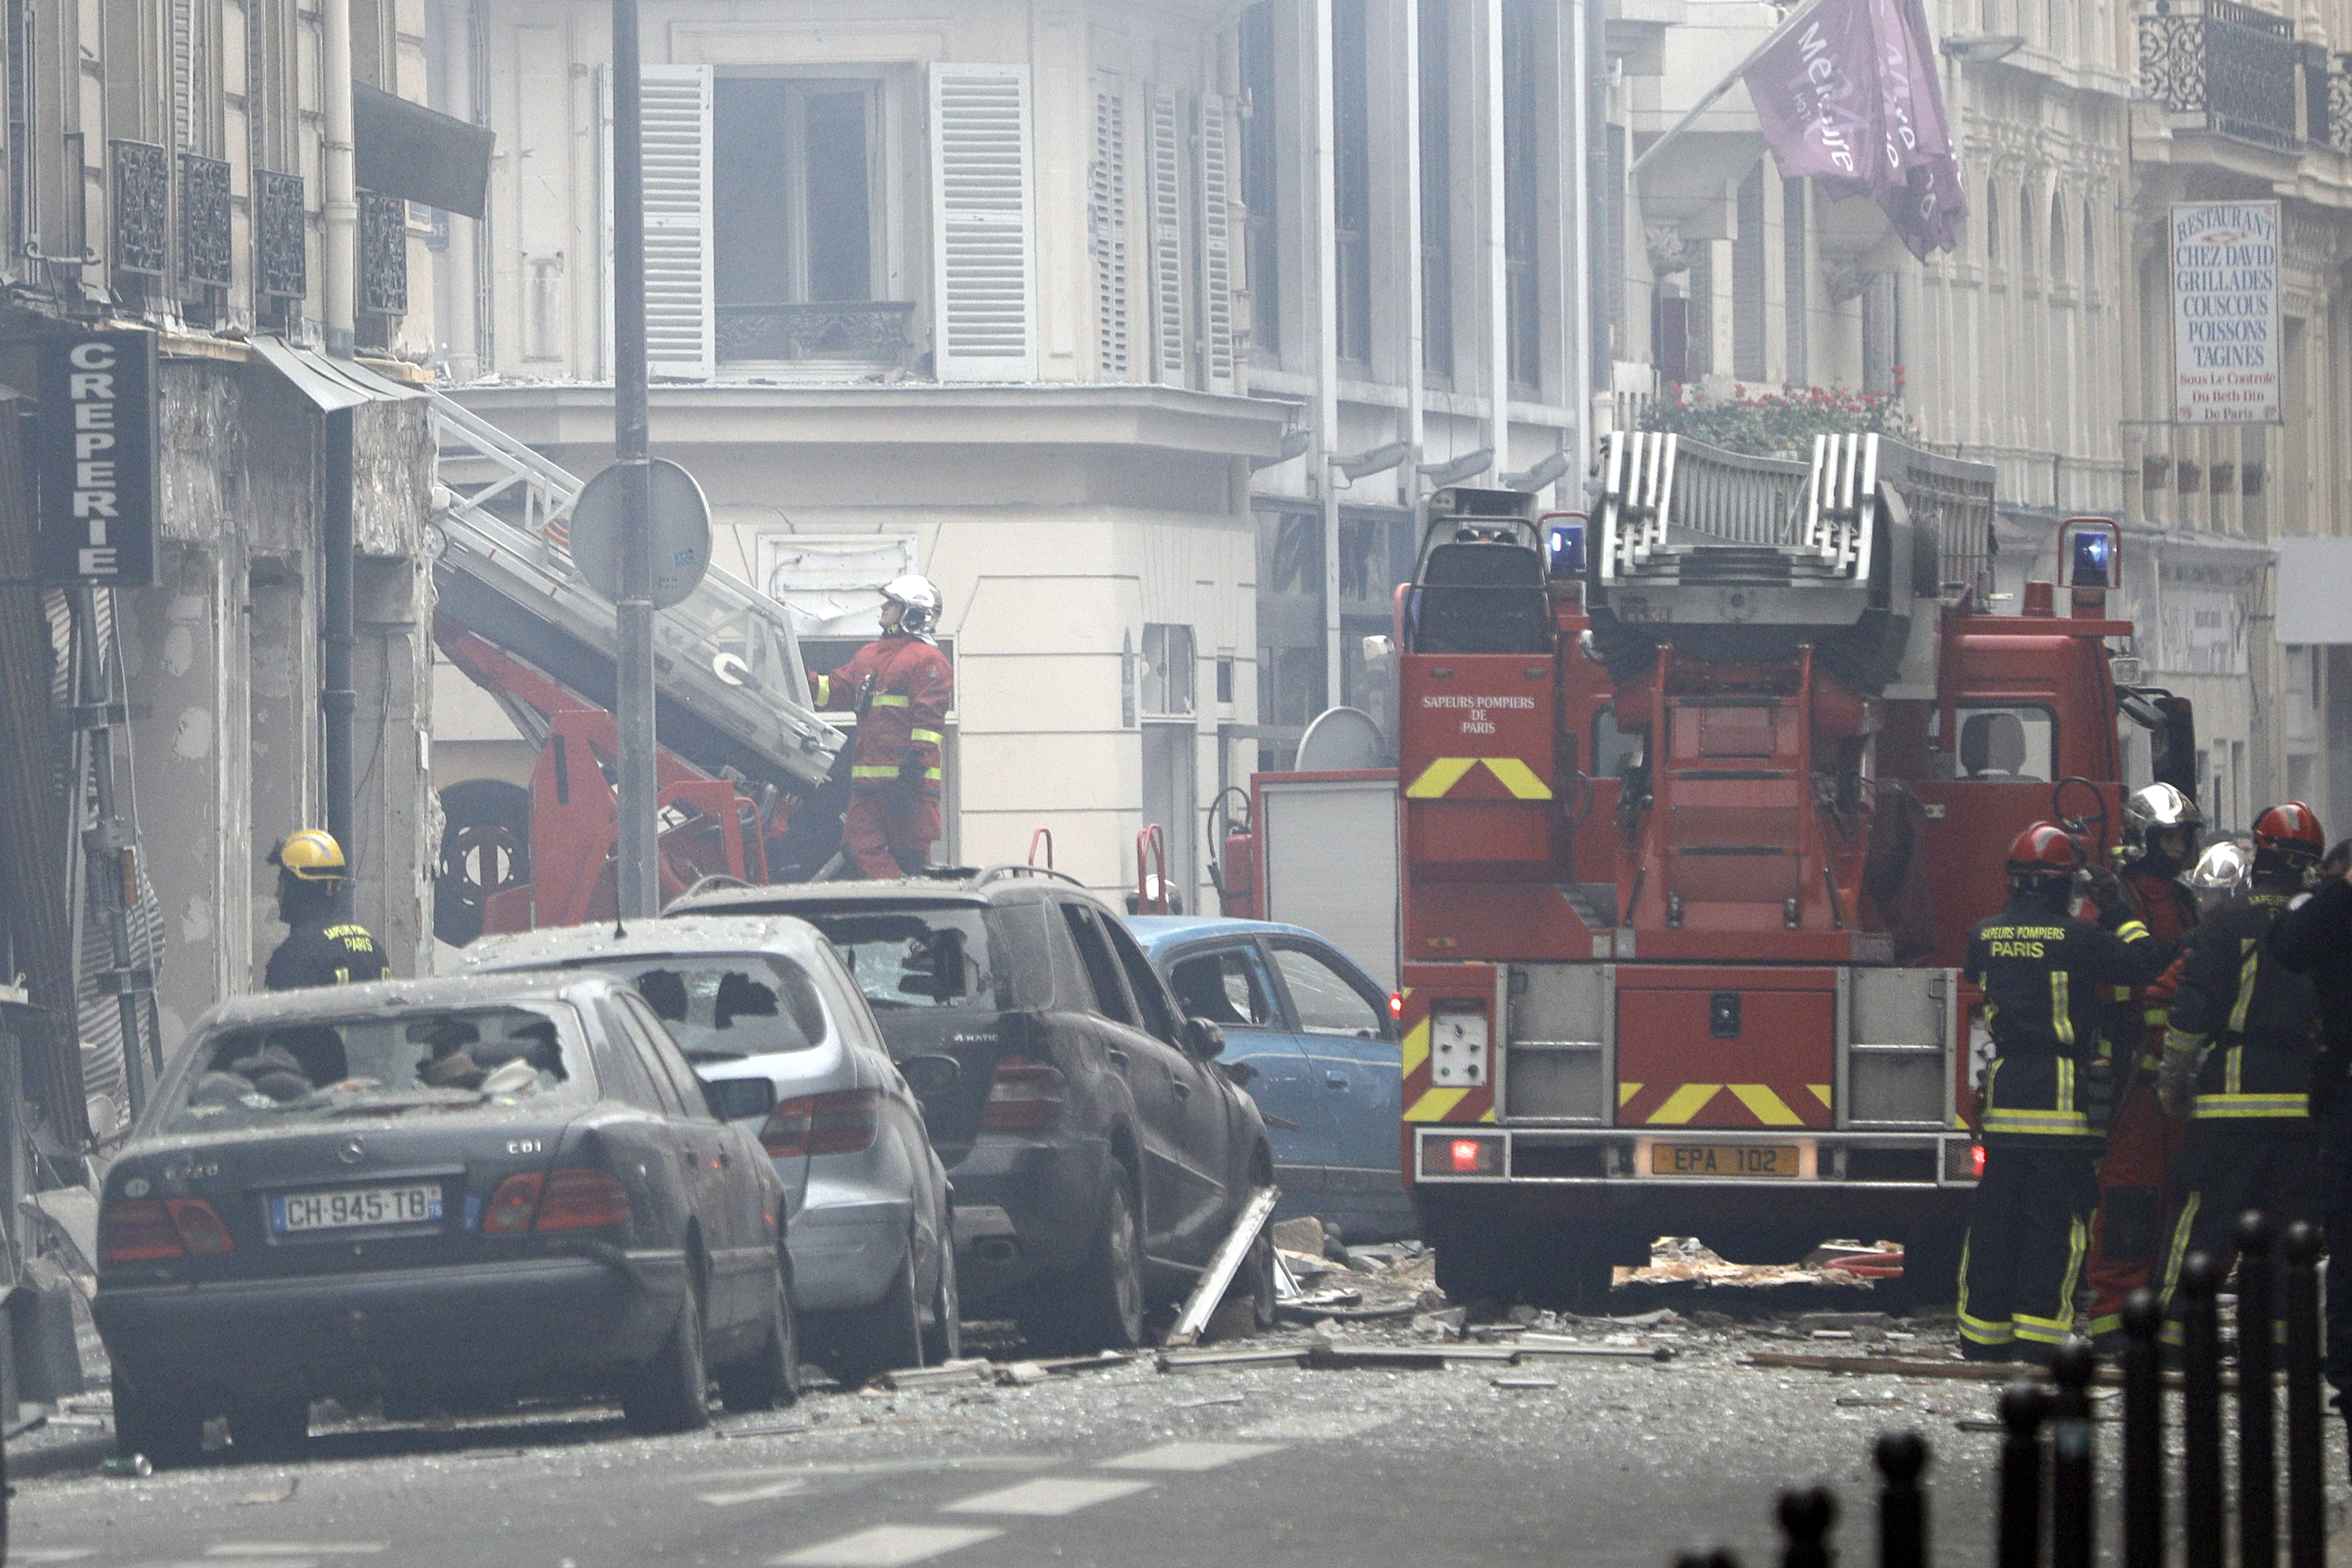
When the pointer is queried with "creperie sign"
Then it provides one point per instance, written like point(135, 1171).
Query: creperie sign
point(99, 501)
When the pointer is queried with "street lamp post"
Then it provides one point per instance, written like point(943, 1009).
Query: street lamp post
point(637, 878)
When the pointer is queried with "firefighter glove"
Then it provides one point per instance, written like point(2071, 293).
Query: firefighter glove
point(2108, 894)
point(2176, 1080)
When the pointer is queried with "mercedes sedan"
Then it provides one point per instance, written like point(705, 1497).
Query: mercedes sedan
point(454, 1191)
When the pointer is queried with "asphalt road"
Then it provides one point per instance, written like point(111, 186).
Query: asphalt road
point(1619, 1463)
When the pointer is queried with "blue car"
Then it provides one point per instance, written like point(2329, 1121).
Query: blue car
point(1319, 1033)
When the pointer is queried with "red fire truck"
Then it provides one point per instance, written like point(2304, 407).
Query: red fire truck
point(1699, 798)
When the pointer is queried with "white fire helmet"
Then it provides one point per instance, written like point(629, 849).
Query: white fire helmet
point(2219, 874)
point(918, 599)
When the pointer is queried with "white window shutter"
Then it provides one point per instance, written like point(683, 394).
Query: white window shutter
point(1214, 207)
point(1165, 155)
point(1106, 233)
point(681, 325)
point(983, 268)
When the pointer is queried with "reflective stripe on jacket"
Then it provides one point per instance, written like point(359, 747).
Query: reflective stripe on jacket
point(905, 710)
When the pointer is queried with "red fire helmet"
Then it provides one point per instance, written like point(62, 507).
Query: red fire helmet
point(2293, 829)
point(2047, 849)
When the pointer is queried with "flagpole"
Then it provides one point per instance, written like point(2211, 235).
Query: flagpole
point(1719, 89)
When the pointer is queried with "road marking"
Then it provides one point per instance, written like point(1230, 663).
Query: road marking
point(1292, 1429)
point(873, 1468)
point(53, 1553)
point(1048, 1496)
point(790, 1486)
point(1188, 1455)
point(294, 1549)
point(884, 1546)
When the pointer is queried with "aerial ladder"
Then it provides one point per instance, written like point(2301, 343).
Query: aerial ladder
point(742, 757)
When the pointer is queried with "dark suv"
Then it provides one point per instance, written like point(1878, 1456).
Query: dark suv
point(1098, 1151)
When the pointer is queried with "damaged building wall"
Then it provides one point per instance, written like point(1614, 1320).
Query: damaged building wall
point(223, 661)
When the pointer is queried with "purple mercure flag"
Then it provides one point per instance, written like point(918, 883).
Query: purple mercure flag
point(1848, 96)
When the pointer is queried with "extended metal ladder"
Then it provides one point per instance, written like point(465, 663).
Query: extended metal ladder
point(727, 664)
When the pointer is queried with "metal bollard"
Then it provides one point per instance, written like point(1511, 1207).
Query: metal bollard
point(2202, 1499)
point(2143, 1431)
point(2074, 1511)
point(1902, 1504)
point(1806, 1515)
point(2307, 1485)
point(2024, 1407)
point(2257, 1396)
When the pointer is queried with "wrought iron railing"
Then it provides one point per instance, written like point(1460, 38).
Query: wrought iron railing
point(139, 208)
point(281, 255)
point(2238, 68)
point(206, 227)
point(383, 255)
point(870, 333)
point(2339, 104)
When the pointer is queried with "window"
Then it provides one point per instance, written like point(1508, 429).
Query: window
point(451, 1061)
point(1260, 183)
point(917, 958)
point(1102, 969)
point(668, 1066)
point(618, 1067)
point(1324, 1000)
point(1436, 192)
point(1522, 139)
point(1352, 175)
point(1796, 276)
point(724, 1008)
point(791, 187)
point(2007, 742)
point(1167, 669)
point(1143, 983)
point(1615, 752)
point(1224, 988)
point(1748, 280)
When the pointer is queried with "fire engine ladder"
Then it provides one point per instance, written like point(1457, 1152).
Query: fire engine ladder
point(727, 663)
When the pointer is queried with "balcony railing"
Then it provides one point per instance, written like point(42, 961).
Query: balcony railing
point(2339, 104)
point(870, 333)
point(383, 255)
point(281, 255)
point(2238, 68)
point(207, 230)
point(140, 211)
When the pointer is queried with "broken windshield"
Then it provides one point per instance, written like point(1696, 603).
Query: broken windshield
point(461, 1059)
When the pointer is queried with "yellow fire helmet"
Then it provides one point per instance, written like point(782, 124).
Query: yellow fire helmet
point(311, 856)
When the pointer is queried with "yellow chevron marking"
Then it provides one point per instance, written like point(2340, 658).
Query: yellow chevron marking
point(1684, 1103)
point(1416, 1047)
point(1822, 1093)
point(1519, 778)
point(1489, 1116)
point(1626, 1092)
point(1439, 777)
point(1435, 1105)
point(1766, 1106)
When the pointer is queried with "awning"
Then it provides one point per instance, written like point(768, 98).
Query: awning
point(419, 154)
point(330, 382)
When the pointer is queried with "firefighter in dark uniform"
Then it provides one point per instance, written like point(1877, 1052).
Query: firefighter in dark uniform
point(2161, 829)
point(2240, 1055)
point(901, 686)
point(2314, 938)
point(322, 947)
point(2046, 979)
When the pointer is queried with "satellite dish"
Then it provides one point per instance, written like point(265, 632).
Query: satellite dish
point(1342, 741)
point(679, 520)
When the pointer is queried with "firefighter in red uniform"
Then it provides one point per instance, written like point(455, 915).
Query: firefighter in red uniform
point(2161, 829)
point(2045, 975)
point(901, 686)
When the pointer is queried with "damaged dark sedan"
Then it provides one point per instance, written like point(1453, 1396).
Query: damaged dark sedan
point(450, 1193)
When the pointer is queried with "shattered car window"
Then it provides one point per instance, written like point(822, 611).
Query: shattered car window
point(460, 1059)
point(723, 1008)
point(931, 958)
